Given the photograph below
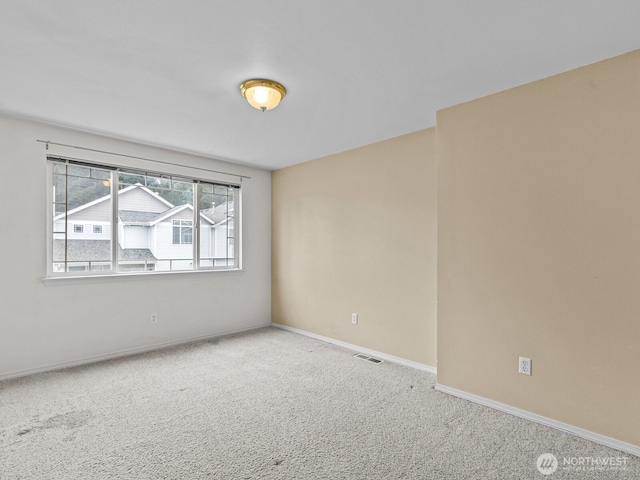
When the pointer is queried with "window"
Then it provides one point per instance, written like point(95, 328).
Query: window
point(149, 225)
point(182, 232)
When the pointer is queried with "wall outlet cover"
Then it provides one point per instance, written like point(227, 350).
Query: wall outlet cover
point(524, 366)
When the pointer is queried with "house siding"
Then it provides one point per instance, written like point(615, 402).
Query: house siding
point(134, 236)
point(100, 212)
point(141, 201)
point(164, 247)
point(220, 243)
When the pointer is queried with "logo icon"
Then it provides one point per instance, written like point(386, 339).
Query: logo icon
point(547, 463)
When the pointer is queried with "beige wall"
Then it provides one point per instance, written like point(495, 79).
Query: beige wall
point(356, 232)
point(539, 247)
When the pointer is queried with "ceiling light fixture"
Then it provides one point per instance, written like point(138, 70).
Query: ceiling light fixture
point(262, 94)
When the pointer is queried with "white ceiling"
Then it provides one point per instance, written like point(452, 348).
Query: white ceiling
point(167, 72)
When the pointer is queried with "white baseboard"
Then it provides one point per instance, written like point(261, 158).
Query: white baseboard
point(121, 353)
point(579, 432)
point(371, 353)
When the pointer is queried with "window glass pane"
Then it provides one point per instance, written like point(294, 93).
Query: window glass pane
point(82, 190)
point(155, 228)
point(216, 226)
point(59, 224)
point(187, 235)
point(158, 182)
point(219, 190)
point(176, 234)
point(100, 174)
point(74, 170)
point(87, 203)
point(130, 179)
point(59, 188)
point(153, 233)
point(181, 193)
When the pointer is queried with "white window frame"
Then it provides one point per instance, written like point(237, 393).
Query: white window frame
point(180, 224)
point(236, 261)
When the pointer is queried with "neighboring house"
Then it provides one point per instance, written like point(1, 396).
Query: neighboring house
point(153, 234)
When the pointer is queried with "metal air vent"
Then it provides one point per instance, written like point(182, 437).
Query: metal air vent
point(368, 358)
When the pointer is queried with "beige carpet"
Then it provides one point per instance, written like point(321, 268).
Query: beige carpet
point(268, 404)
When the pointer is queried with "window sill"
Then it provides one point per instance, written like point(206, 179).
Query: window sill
point(107, 277)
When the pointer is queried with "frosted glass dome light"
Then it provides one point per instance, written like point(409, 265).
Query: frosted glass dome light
point(262, 94)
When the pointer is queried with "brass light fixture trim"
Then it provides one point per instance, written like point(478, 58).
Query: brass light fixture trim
point(262, 94)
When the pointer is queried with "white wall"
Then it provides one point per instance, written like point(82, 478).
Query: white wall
point(44, 326)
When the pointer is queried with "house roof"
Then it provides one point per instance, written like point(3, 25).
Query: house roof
point(219, 213)
point(153, 218)
point(97, 251)
point(122, 191)
point(175, 210)
point(135, 254)
point(169, 213)
point(132, 216)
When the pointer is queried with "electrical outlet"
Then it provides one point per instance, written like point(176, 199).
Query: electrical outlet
point(524, 366)
point(354, 318)
point(154, 318)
